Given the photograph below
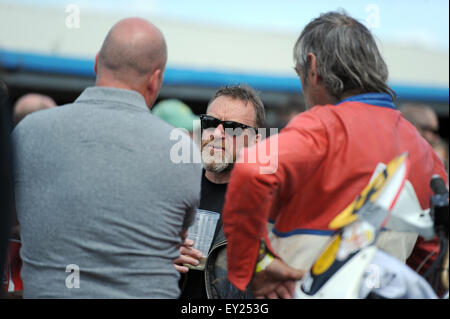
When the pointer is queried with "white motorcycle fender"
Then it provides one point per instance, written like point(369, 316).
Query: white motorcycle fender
point(345, 283)
point(407, 215)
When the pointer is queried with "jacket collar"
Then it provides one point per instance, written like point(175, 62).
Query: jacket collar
point(113, 95)
point(377, 99)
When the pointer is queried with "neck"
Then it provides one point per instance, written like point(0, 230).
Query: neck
point(348, 94)
point(110, 81)
point(121, 85)
point(218, 178)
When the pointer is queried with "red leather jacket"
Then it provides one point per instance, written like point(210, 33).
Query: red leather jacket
point(324, 158)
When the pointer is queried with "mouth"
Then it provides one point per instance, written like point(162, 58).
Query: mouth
point(215, 148)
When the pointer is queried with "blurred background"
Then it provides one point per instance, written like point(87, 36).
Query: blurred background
point(49, 47)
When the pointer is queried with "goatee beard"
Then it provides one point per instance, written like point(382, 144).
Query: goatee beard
point(216, 163)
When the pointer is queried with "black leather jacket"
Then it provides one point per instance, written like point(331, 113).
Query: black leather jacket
point(216, 272)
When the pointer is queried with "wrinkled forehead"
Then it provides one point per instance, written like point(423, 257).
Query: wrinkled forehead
point(227, 108)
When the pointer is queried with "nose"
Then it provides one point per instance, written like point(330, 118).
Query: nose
point(219, 132)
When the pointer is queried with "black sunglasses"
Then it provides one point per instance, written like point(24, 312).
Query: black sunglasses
point(208, 121)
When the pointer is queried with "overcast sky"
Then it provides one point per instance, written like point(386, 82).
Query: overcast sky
point(422, 22)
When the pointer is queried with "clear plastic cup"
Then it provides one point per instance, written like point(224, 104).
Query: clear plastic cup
point(202, 233)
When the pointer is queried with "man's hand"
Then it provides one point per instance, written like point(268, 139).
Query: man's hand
point(189, 255)
point(277, 280)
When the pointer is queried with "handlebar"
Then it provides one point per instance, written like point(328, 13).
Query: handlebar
point(440, 215)
point(439, 205)
point(437, 184)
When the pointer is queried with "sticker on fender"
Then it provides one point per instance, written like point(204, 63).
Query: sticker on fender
point(355, 237)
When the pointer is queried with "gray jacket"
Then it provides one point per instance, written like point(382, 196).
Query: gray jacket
point(99, 199)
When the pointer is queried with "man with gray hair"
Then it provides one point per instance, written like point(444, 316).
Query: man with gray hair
point(101, 206)
point(325, 157)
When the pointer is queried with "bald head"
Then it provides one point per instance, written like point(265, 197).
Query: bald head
point(132, 49)
point(30, 103)
point(133, 57)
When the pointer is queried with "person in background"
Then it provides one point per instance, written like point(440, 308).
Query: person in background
point(231, 122)
point(6, 179)
point(25, 105)
point(101, 206)
point(325, 157)
point(424, 118)
point(30, 103)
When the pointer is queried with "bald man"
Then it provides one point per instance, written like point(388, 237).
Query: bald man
point(30, 103)
point(102, 209)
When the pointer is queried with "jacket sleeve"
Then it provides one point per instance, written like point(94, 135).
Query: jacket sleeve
point(256, 184)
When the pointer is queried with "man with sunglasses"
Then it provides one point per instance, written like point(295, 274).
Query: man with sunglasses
point(231, 122)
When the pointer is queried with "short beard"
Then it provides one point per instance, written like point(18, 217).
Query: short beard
point(216, 163)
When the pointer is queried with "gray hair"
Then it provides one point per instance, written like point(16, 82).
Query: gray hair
point(246, 94)
point(347, 55)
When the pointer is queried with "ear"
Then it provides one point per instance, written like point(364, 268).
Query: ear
point(312, 75)
point(154, 82)
point(96, 63)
